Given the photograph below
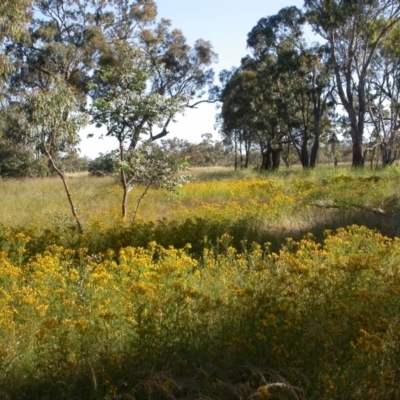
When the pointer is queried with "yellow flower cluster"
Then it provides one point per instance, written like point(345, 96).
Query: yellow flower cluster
point(327, 309)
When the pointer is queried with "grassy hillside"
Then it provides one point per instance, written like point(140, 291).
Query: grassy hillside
point(238, 286)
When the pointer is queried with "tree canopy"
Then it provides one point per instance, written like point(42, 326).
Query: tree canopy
point(133, 73)
point(300, 87)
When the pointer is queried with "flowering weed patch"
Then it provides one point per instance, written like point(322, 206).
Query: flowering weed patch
point(214, 299)
point(320, 320)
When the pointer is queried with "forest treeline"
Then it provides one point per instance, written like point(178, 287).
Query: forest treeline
point(115, 64)
point(292, 94)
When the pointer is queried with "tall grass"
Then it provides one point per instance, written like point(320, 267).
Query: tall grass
point(230, 288)
point(292, 200)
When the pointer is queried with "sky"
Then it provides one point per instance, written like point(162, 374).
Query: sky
point(225, 23)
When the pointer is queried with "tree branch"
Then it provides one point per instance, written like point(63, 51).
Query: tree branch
point(202, 101)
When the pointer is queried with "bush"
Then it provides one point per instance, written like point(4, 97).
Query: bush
point(103, 165)
point(18, 162)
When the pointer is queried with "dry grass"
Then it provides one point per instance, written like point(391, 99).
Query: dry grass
point(40, 199)
point(289, 202)
point(23, 200)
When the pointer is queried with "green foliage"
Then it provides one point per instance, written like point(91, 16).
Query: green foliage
point(207, 153)
point(149, 166)
point(14, 14)
point(116, 40)
point(103, 165)
point(20, 162)
point(54, 118)
point(73, 163)
point(279, 99)
point(122, 102)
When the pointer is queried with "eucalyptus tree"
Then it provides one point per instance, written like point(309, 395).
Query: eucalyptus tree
point(305, 97)
point(299, 76)
point(65, 40)
point(179, 70)
point(236, 112)
point(54, 122)
point(71, 38)
point(383, 99)
point(127, 107)
point(67, 37)
point(14, 14)
point(354, 31)
point(249, 110)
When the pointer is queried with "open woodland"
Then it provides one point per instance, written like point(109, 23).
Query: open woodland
point(273, 273)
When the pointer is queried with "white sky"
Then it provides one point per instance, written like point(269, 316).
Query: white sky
point(225, 23)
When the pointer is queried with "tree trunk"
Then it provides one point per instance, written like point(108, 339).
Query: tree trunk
point(358, 158)
point(304, 154)
point(236, 154)
point(246, 161)
point(264, 160)
point(276, 158)
point(271, 158)
point(267, 163)
point(372, 157)
point(314, 153)
point(67, 191)
point(124, 183)
point(286, 157)
point(388, 155)
point(241, 154)
point(315, 146)
point(247, 147)
point(356, 119)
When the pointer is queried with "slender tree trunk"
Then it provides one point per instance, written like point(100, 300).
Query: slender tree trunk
point(264, 152)
point(314, 153)
point(315, 146)
point(286, 158)
point(247, 146)
point(372, 158)
point(124, 199)
point(241, 154)
point(124, 182)
point(67, 191)
point(236, 153)
point(139, 201)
